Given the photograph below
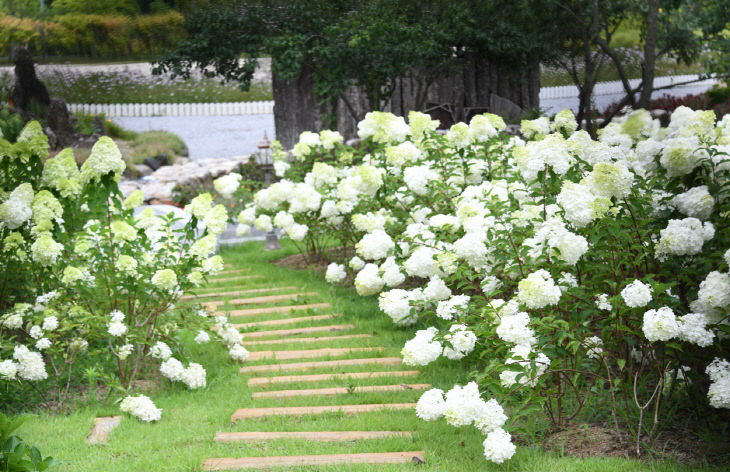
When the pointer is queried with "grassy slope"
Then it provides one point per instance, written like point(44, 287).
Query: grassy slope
point(183, 439)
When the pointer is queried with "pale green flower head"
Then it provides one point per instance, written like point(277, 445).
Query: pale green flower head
point(496, 121)
point(371, 177)
point(13, 241)
point(122, 231)
point(330, 138)
point(60, 168)
point(196, 278)
point(165, 279)
point(203, 247)
point(216, 219)
point(565, 122)
point(459, 135)
point(421, 124)
point(535, 129)
point(610, 180)
point(134, 200)
point(213, 264)
point(105, 158)
point(200, 205)
point(16, 209)
point(45, 250)
point(71, 275)
point(32, 134)
point(636, 123)
point(126, 264)
point(82, 246)
point(46, 208)
point(301, 151)
point(679, 157)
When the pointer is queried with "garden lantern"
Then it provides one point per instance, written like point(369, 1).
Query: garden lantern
point(266, 164)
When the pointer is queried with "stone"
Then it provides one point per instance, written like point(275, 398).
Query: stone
point(152, 162)
point(59, 120)
point(267, 462)
point(258, 300)
point(308, 353)
point(236, 293)
point(320, 339)
point(327, 436)
point(102, 429)
point(339, 390)
point(296, 331)
point(285, 321)
point(143, 170)
point(504, 107)
point(266, 381)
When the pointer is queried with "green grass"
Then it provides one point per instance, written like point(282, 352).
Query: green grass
point(184, 436)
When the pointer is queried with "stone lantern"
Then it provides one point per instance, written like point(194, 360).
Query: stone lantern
point(266, 163)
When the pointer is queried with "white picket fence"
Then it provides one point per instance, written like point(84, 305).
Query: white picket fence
point(267, 107)
point(113, 110)
point(614, 87)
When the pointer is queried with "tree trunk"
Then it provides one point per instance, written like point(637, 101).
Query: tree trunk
point(648, 66)
point(297, 108)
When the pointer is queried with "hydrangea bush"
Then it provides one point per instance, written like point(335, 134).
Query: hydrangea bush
point(89, 281)
point(571, 270)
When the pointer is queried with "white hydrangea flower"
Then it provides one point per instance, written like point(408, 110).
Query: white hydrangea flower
point(172, 369)
point(463, 405)
point(454, 306)
point(8, 370)
point(417, 178)
point(124, 351)
point(422, 263)
point(462, 342)
point(141, 407)
point(422, 349)
point(194, 376)
point(538, 290)
point(431, 405)
point(693, 329)
point(660, 325)
point(396, 304)
point(35, 332)
point(375, 245)
point(238, 353)
point(160, 351)
point(603, 304)
point(515, 329)
point(43, 343)
point(30, 365)
point(593, 346)
point(636, 294)
point(498, 446)
point(368, 281)
point(520, 354)
point(335, 273)
point(356, 263)
point(695, 202)
point(719, 391)
point(228, 184)
point(491, 417)
point(202, 337)
point(436, 289)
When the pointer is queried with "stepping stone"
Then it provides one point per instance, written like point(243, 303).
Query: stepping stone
point(236, 293)
point(308, 353)
point(295, 331)
point(102, 428)
point(286, 321)
point(236, 279)
point(246, 413)
point(309, 340)
point(320, 364)
point(266, 381)
point(274, 309)
point(328, 436)
point(323, 459)
point(257, 300)
point(339, 390)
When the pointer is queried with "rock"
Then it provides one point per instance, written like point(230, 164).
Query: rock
point(159, 184)
point(504, 107)
point(152, 163)
point(143, 170)
point(59, 121)
point(183, 160)
point(102, 429)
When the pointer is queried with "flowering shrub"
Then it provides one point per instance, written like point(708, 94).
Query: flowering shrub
point(89, 280)
point(574, 268)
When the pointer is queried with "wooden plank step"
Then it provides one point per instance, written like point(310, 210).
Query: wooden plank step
point(230, 463)
point(246, 413)
point(327, 436)
point(308, 353)
point(274, 309)
point(258, 300)
point(266, 381)
point(339, 390)
point(236, 293)
point(234, 271)
point(320, 364)
point(286, 321)
point(236, 279)
point(309, 340)
point(296, 331)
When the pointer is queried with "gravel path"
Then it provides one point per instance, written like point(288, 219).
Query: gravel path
point(209, 136)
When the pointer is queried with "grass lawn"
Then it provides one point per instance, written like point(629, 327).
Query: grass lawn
point(190, 419)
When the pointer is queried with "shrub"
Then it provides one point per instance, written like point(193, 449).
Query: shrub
point(15, 454)
point(573, 273)
point(89, 280)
